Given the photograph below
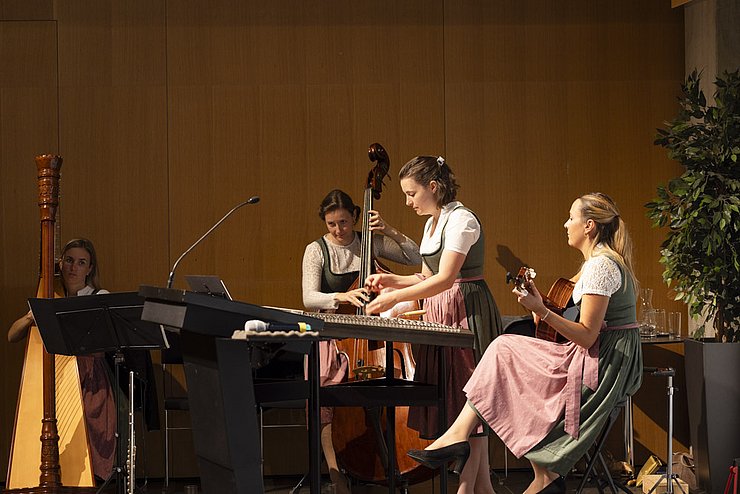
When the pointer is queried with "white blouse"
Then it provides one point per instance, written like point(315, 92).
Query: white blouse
point(88, 290)
point(461, 232)
point(600, 275)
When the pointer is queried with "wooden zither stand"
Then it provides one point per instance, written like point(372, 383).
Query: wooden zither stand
point(50, 399)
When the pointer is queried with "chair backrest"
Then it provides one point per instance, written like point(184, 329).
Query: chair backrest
point(519, 325)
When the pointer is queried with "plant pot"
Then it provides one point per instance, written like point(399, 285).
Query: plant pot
point(712, 372)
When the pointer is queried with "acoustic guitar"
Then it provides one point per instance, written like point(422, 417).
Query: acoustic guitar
point(558, 300)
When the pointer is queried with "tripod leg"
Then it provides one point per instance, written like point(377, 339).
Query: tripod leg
point(675, 479)
point(107, 481)
point(657, 483)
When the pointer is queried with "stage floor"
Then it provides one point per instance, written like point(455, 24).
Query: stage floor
point(514, 483)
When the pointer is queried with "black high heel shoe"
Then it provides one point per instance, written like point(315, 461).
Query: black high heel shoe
point(557, 486)
point(435, 458)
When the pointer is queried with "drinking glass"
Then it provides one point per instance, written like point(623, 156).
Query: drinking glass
point(648, 324)
point(674, 324)
point(660, 325)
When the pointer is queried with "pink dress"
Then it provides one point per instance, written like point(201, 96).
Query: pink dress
point(467, 304)
point(548, 401)
point(99, 406)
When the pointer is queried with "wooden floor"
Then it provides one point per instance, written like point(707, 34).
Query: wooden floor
point(513, 483)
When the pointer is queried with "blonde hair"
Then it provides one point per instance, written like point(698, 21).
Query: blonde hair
point(612, 237)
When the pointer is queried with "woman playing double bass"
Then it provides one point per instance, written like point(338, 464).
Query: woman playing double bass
point(330, 266)
point(455, 294)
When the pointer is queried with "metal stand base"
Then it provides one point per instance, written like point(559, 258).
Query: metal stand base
point(669, 476)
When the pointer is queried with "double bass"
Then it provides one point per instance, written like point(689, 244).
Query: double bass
point(358, 433)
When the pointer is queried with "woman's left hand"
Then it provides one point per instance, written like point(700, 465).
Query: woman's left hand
point(381, 303)
point(375, 221)
point(530, 298)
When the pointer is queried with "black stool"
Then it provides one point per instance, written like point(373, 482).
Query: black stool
point(595, 460)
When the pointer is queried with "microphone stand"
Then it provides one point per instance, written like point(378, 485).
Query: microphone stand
point(171, 278)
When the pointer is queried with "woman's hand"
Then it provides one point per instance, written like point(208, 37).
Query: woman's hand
point(376, 282)
point(381, 303)
point(357, 297)
point(531, 299)
point(19, 329)
point(376, 222)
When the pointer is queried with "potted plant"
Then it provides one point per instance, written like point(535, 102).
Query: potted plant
point(701, 259)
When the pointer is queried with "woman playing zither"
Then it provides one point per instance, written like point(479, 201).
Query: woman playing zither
point(455, 294)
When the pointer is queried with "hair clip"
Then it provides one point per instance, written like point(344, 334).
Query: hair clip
point(440, 160)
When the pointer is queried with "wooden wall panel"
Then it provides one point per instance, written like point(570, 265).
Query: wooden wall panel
point(26, 10)
point(28, 126)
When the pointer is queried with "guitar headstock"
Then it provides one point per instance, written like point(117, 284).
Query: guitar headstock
point(524, 275)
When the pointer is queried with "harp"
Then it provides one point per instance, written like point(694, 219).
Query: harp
point(49, 399)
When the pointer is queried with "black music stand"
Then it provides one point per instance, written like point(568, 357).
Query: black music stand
point(98, 323)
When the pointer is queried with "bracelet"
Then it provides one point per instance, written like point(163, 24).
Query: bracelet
point(547, 313)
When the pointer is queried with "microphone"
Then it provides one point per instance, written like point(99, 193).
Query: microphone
point(257, 326)
point(171, 278)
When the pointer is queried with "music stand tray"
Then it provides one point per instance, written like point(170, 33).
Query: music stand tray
point(95, 323)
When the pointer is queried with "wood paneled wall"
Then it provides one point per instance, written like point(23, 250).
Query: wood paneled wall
point(169, 112)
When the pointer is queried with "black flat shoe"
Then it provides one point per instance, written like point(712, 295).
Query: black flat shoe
point(557, 486)
point(435, 458)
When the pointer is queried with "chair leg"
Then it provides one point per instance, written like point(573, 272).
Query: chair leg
point(591, 460)
point(299, 484)
point(166, 449)
point(589, 468)
point(607, 473)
